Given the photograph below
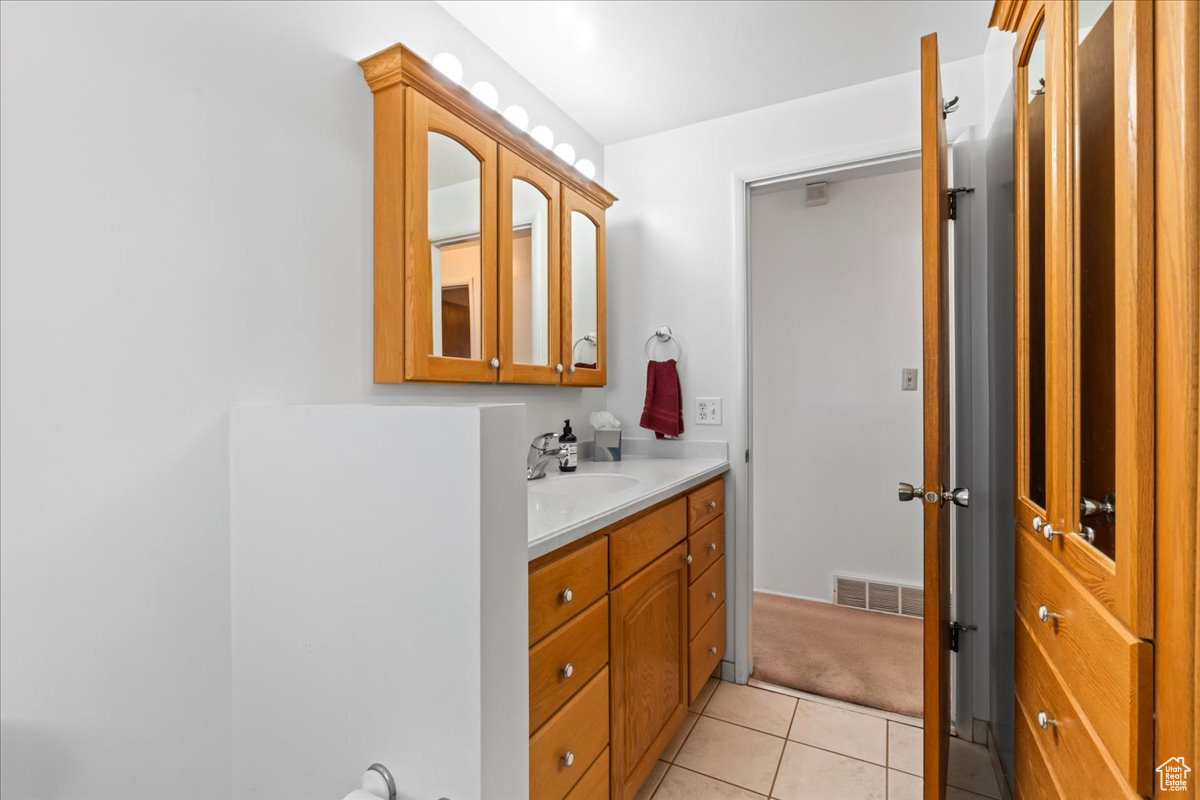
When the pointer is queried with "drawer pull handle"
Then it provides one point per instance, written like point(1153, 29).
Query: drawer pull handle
point(568, 670)
point(712, 595)
point(712, 505)
point(1044, 721)
point(712, 547)
point(567, 595)
point(1045, 614)
point(712, 651)
point(689, 559)
point(1049, 532)
point(1038, 523)
point(568, 759)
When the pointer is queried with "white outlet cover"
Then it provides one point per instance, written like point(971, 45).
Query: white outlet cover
point(708, 411)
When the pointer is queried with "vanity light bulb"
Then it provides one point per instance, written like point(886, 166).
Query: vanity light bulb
point(517, 117)
point(486, 94)
point(448, 65)
point(566, 152)
point(542, 135)
point(587, 168)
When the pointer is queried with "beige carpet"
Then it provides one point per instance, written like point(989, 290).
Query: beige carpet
point(862, 657)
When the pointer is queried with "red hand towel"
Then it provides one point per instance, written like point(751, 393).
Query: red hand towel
point(663, 411)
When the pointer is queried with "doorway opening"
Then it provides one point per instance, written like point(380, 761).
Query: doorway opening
point(835, 390)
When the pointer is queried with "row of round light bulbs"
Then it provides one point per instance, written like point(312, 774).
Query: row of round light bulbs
point(518, 117)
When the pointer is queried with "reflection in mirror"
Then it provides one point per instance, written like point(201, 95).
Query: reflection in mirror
point(455, 258)
point(1035, 119)
point(530, 274)
point(1097, 271)
point(583, 291)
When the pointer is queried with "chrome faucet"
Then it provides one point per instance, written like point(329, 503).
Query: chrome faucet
point(540, 454)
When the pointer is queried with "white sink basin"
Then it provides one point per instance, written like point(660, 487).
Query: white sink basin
point(581, 485)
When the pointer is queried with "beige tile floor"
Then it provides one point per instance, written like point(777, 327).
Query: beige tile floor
point(751, 742)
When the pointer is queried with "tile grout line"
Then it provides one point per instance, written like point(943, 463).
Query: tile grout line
point(794, 741)
point(779, 764)
point(713, 778)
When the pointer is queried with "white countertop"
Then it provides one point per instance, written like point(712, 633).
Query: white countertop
point(557, 520)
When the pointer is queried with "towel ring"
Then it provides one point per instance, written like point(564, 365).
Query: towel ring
point(663, 335)
point(590, 338)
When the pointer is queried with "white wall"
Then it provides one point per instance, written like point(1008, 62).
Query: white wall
point(676, 246)
point(836, 314)
point(186, 215)
point(343, 547)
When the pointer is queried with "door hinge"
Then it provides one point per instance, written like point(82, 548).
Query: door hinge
point(952, 197)
point(957, 628)
point(747, 455)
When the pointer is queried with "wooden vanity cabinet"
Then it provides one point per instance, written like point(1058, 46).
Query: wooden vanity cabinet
point(489, 250)
point(618, 603)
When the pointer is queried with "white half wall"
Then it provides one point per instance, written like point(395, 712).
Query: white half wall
point(836, 314)
point(379, 608)
point(186, 215)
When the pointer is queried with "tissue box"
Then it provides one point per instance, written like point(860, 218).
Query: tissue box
point(607, 446)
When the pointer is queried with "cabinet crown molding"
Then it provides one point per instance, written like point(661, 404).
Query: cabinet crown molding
point(399, 65)
point(1006, 14)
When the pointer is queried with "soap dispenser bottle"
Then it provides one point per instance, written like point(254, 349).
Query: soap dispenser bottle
point(570, 458)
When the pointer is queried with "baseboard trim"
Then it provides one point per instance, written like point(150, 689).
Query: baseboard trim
point(1006, 791)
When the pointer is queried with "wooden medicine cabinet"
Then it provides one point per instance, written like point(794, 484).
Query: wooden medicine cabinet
point(489, 250)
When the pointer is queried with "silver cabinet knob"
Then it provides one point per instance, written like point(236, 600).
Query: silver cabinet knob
point(712, 547)
point(1044, 614)
point(1044, 720)
point(1049, 532)
point(907, 492)
point(558, 367)
point(1038, 523)
point(571, 368)
point(568, 670)
point(712, 651)
point(567, 595)
point(689, 559)
point(568, 759)
point(494, 363)
point(712, 595)
point(712, 505)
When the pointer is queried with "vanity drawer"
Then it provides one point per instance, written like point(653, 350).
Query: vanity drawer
point(637, 543)
point(570, 742)
point(594, 783)
point(566, 660)
point(705, 596)
point(1073, 754)
point(705, 546)
point(705, 653)
point(566, 586)
point(1107, 670)
point(706, 504)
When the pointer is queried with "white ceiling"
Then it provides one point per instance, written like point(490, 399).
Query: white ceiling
point(628, 69)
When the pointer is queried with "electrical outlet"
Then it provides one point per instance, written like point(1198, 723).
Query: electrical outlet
point(708, 411)
point(908, 379)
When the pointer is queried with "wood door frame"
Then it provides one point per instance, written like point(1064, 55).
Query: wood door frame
point(573, 201)
point(512, 168)
point(422, 117)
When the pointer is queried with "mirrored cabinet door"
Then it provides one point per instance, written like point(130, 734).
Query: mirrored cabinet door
point(530, 279)
point(584, 335)
point(451, 246)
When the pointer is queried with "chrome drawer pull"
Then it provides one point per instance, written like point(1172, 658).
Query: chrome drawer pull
point(1038, 522)
point(712, 595)
point(1044, 614)
point(568, 670)
point(689, 559)
point(568, 759)
point(1044, 721)
point(712, 547)
point(712, 505)
point(567, 595)
point(1049, 532)
point(712, 651)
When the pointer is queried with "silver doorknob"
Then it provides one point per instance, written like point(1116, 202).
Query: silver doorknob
point(568, 670)
point(1049, 532)
point(568, 758)
point(908, 492)
point(558, 367)
point(689, 559)
point(494, 363)
point(712, 547)
point(712, 595)
point(1044, 720)
point(960, 497)
point(1044, 613)
point(567, 595)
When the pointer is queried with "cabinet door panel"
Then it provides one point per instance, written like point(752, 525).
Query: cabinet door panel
point(648, 659)
point(584, 331)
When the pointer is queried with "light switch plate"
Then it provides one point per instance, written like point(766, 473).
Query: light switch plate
point(708, 411)
point(908, 379)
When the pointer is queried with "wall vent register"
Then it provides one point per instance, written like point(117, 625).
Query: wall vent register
point(888, 598)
